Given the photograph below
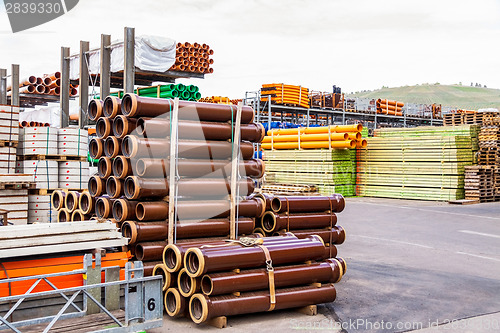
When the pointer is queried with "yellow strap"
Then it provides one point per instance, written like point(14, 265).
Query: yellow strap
point(270, 273)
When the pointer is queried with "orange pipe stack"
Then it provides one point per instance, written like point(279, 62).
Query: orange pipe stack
point(285, 94)
point(385, 106)
point(193, 58)
point(48, 84)
point(334, 136)
point(219, 100)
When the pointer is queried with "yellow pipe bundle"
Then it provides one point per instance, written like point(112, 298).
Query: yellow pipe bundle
point(334, 136)
point(286, 94)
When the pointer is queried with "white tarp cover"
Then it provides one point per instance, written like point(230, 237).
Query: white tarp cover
point(47, 114)
point(152, 53)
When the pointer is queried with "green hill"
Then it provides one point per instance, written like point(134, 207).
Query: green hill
point(463, 97)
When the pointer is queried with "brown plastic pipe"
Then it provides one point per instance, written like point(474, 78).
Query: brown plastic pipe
point(112, 106)
point(124, 210)
point(138, 232)
point(40, 89)
point(112, 147)
point(328, 271)
point(114, 188)
point(139, 188)
point(86, 203)
point(104, 167)
point(196, 130)
point(202, 308)
point(299, 204)
point(123, 126)
point(96, 186)
point(199, 261)
point(218, 208)
point(103, 127)
point(135, 106)
point(58, 199)
point(157, 168)
point(78, 216)
point(186, 284)
point(175, 304)
point(152, 211)
point(335, 235)
point(149, 251)
point(149, 266)
point(168, 279)
point(95, 109)
point(122, 167)
point(63, 215)
point(71, 201)
point(28, 89)
point(173, 255)
point(271, 221)
point(96, 148)
point(103, 207)
point(133, 146)
point(272, 203)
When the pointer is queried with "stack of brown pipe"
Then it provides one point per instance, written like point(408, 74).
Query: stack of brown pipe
point(72, 206)
point(217, 278)
point(385, 106)
point(132, 188)
point(46, 85)
point(25, 123)
point(193, 58)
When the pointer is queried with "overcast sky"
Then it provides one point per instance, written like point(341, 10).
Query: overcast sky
point(355, 44)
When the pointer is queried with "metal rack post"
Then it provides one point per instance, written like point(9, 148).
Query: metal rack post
point(84, 84)
point(233, 232)
point(14, 101)
point(173, 172)
point(64, 98)
point(3, 86)
point(104, 75)
point(129, 67)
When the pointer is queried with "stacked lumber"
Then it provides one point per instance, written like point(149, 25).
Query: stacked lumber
point(219, 100)
point(14, 197)
point(289, 189)
point(481, 183)
point(132, 188)
point(385, 106)
point(24, 267)
point(199, 283)
point(48, 84)
point(417, 163)
point(184, 92)
point(285, 94)
point(72, 206)
point(194, 58)
point(330, 171)
point(9, 136)
point(23, 240)
point(333, 136)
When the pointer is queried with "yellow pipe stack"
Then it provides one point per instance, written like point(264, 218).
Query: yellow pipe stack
point(334, 136)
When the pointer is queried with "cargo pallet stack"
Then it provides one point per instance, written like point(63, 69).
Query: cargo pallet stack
point(417, 163)
point(55, 158)
point(187, 243)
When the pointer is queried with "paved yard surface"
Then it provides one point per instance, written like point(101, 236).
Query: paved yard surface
point(411, 265)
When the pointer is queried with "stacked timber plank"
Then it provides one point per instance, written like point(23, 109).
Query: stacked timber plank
point(417, 163)
point(25, 240)
point(289, 189)
point(331, 171)
point(285, 94)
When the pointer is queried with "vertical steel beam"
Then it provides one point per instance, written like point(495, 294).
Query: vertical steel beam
point(3, 86)
point(233, 228)
point(84, 84)
point(129, 63)
point(105, 75)
point(14, 99)
point(64, 98)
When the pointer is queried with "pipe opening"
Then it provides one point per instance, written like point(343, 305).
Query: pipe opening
point(100, 208)
point(77, 216)
point(85, 202)
point(127, 146)
point(140, 127)
point(192, 262)
point(93, 186)
point(108, 106)
point(126, 230)
point(57, 200)
point(109, 147)
point(275, 204)
point(139, 211)
point(101, 128)
point(63, 216)
point(126, 104)
point(207, 285)
point(185, 283)
point(94, 148)
point(118, 126)
point(171, 302)
point(93, 110)
point(70, 201)
point(117, 210)
point(269, 221)
point(140, 167)
point(196, 308)
point(129, 188)
point(139, 252)
point(102, 167)
point(118, 167)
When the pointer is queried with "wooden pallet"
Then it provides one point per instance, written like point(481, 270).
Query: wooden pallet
point(17, 185)
point(56, 157)
point(45, 191)
point(7, 143)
